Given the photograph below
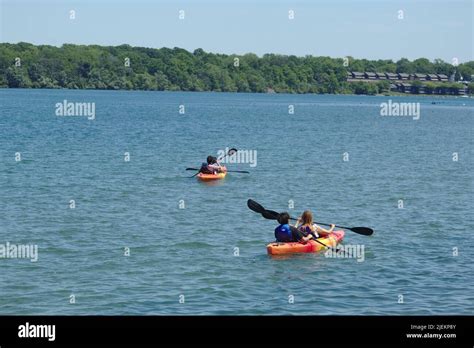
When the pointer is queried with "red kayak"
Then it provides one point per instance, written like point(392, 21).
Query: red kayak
point(310, 247)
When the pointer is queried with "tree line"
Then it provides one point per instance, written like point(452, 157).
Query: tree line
point(25, 65)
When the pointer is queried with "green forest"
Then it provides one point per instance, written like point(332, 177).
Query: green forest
point(24, 65)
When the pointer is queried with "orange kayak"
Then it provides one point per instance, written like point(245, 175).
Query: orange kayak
point(217, 176)
point(310, 247)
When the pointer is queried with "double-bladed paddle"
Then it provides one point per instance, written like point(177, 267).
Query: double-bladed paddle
point(273, 215)
point(229, 153)
point(228, 171)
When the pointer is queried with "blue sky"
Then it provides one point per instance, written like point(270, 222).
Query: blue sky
point(359, 28)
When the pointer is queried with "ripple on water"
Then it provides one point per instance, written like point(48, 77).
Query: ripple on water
point(192, 251)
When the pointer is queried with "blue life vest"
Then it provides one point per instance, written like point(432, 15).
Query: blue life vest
point(283, 233)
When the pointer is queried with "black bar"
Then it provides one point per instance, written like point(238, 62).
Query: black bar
point(194, 330)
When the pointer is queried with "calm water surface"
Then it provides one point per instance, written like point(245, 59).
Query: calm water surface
point(190, 251)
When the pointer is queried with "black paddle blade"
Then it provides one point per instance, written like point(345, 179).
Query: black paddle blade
point(231, 151)
point(270, 215)
point(192, 169)
point(254, 206)
point(362, 230)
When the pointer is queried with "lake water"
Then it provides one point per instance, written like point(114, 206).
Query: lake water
point(421, 254)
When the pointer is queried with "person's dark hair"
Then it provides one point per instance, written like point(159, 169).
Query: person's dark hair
point(284, 218)
point(210, 159)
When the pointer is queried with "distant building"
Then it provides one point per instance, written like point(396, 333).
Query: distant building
point(419, 77)
point(404, 87)
point(370, 76)
point(403, 76)
point(443, 77)
point(357, 75)
point(391, 76)
point(409, 83)
point(418, 89)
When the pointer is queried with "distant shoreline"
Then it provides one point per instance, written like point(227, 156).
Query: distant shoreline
point(393, 94)
point(93, 67)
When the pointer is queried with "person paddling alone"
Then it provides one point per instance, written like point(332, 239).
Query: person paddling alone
point(285, 233)
point(212, 166)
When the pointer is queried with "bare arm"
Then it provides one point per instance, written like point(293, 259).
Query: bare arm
point(323, 231)
point(297, 223)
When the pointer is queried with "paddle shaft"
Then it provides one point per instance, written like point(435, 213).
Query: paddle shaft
point(273, 215)
point(316, 240)
point(360, 230)
point(258, 208)
point(199, 170)
point(227, 154)
point(228, 171)
point(320, 223)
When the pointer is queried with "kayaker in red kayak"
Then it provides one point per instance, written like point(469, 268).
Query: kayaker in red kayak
point(305, 224)
point(212, 166)
point(286, 233)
